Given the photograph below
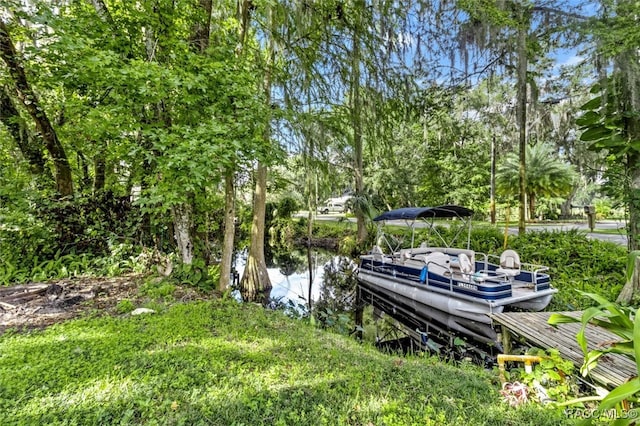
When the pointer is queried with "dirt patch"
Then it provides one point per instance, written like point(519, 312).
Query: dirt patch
point(38, 305)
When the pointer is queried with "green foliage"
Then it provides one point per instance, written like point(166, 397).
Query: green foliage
point(332, 229)
point(631, 263)
point(429, 168)
point(139, 109)
point(221, 363)
point(547, 174)
point(158, 289)
point(51, 239)
point(553, 374)
point(337, 296)
point(576, 263)
point(348, 246)
point(282, 232)
point(195, 275)
point(603, 208)
point(611, 124)
point(623, 322)
point(125, 306)
point(286, 207)
point(604, 126)
point(121, 259)
point(24, 237)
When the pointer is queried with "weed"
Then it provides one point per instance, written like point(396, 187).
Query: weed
point(125, 306)
point(158, 288)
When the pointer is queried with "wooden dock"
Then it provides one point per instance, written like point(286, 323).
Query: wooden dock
point(612, 369)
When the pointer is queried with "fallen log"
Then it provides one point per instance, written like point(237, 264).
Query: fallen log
point(6, 291)
point(25, 295)
point(7, 306)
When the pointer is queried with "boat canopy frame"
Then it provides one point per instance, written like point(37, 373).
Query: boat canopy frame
point(429, 214)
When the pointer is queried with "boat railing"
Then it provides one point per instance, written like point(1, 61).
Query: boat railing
point(537, 270)
point(485, 259)
point(456, 278)
point(440, 267)
point(533, 269)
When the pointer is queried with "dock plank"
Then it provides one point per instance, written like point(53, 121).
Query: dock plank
point(612, 369)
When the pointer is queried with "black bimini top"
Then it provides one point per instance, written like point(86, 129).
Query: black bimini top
point(411, 213)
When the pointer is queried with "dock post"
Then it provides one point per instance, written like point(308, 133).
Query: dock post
point(358, 313)
point(506, 339)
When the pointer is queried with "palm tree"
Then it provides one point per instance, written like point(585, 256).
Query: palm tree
point(547, 175)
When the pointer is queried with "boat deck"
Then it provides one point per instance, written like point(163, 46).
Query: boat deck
point(612, 369)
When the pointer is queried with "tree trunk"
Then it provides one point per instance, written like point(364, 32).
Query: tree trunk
point(202, 28)
point(84, 182)
point(632, 286)
point(492, 203)
point(102, 11)
point(255, 285)
point(532, 206)
point(309, 252)
point(565, 207)
point(27, 96)
point(633, 161)
point(229, 232)
point(356, 122)
point(243, 15)
point(30, 147)
point(522, 117)
point(228, 244)
point(99, 170)
point(183, 225)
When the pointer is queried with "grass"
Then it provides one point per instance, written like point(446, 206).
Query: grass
point(221, 363)
point(618, 231)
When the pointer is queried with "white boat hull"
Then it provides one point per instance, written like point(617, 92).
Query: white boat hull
point(423, 298)
point(480, 331)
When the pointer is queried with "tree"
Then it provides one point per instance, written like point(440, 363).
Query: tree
point(31, 102)
point(611, 120)
point(30, 145)
point(142, 95)
point(547, 175)
point(534, 28)
point(255, 285)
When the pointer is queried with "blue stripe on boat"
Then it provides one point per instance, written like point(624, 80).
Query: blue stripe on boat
point(480, 290)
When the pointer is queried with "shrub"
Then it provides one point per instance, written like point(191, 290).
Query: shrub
point(158, 289)
point(575, 263)
point(125, 306)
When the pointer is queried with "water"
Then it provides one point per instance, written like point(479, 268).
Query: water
point(289, 276)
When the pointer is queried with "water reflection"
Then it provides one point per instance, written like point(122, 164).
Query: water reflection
point(289, 275)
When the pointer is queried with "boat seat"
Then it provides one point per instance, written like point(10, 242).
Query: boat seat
point(456, 252)
point(509, 264)
point(437, 262)
point(452, 251)
point(465, 265)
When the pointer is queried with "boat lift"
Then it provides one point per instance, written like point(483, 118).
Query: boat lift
point(417, 332)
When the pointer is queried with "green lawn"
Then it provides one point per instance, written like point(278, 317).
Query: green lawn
point(220, 363)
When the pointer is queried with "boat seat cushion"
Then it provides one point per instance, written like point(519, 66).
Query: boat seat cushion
point(509, 263)
point(407, 253)
point(466, 267)
point(509, 259)
point(436, 262)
